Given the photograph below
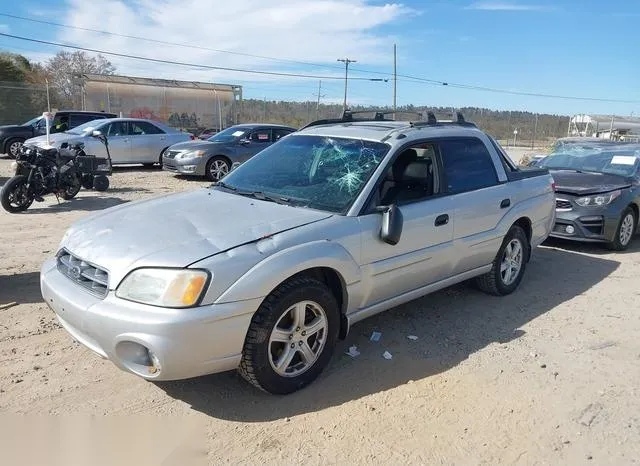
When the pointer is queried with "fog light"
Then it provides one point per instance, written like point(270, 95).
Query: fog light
point(570, 230)
point(189, 168)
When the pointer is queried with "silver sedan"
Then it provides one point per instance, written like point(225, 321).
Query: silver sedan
point(131, 140)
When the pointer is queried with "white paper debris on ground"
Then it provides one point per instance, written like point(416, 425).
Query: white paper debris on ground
point(412, 337)
point(353, 351)
point(375, 336)
point(387, 355)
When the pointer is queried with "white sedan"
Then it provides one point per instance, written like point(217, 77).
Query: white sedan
point(131, 140)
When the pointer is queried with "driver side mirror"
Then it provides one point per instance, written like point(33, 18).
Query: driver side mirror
point(392, 222)
point(245, 141)
point(96, 133)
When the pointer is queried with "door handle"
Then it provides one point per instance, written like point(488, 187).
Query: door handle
point(441, 220)
point(505, 203)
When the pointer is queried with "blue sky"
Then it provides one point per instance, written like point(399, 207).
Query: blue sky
point(564, 47)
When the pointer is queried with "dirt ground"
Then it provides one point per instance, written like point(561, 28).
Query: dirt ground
point(548, 375)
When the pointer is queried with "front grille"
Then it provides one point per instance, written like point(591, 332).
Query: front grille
point(92, 278)
point(563, 204)
point(169, 166)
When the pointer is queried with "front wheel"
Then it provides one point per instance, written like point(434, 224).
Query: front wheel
point(13, 147)
point(217, 168)
point(508, 266)
point(625, 231)
point(15, 196)
point(291, 337)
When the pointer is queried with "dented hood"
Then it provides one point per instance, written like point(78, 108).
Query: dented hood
point(177, 230)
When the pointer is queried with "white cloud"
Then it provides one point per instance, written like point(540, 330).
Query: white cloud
point(507, 6)
point(317, 31)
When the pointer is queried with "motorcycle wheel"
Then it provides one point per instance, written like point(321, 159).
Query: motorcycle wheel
point(71, 190)
point(14, 196)
point(101, 183)
point(87, 181)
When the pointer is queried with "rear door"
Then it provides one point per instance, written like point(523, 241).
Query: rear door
point(480, 201)
point(147, 141)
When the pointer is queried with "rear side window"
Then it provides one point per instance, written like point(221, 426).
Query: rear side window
point(467, 165)
point(142, 127)
point(280, 133)
point(77, 119)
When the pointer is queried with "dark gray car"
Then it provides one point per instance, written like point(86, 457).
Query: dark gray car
point(597, 194)
point(214, 157)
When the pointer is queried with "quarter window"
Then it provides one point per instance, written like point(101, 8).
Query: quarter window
point(467, 165)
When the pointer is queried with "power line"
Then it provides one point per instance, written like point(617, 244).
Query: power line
point(169, 62)
point(408, 78)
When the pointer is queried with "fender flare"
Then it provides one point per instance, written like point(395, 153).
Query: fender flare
point(266, 275)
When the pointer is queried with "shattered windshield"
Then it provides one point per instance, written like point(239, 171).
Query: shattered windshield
point(623, 160)
point(318, 172)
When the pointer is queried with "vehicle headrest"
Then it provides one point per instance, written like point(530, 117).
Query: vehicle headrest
point(401, 163)
point(417, 172)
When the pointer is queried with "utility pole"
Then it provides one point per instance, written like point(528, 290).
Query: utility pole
point(264, 110)
point(395, 80)
point(318, 101)
point(535, 130)
point(346, 62)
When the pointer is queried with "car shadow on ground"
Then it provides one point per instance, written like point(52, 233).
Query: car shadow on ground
point(21, 288)
point(128, 189)
point(451, 325)
point(88, 204)
point(599, 249)
point(136, 168)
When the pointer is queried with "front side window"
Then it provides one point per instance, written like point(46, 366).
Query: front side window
point(467, 165)
point(318, 172)
point(117, 128)
point(261, 136)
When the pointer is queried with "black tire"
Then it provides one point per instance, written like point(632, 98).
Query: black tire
point(16, 186)
point(221, 162)
point(148, 165)
point(13, 146)
point(72, 190)
point(493, 282)
point(87, 181)
point(620, 241)
point(101, 183)
point(256, 364)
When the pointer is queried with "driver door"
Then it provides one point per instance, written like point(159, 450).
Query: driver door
point(117, 133)
point(421, 257)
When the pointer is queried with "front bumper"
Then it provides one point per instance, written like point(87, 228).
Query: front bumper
point(588, 224)
point(185, 342)
point(195, 166)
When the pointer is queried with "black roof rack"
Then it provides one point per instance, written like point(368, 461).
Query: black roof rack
point(379, 115)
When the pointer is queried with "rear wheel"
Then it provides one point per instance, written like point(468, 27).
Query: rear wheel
point(72, 190)
point(508, 265)
point(217, 168)
point(14, 195)
point(13, 147)
point(626, 230)
point(291, 337)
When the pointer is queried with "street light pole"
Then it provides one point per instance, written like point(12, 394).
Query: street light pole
point(346, 62)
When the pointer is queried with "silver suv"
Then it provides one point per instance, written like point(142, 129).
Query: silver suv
point(335, 223)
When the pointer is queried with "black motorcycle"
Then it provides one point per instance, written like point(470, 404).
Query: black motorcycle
point(62, 172)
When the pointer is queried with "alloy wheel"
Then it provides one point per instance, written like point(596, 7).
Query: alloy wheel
point(298, 338)
point(511, 262)
point(626, 229)
point(14, 148)
point(218, 169)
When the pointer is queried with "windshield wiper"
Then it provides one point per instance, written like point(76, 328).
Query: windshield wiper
point(222, 184)
point(265, 197)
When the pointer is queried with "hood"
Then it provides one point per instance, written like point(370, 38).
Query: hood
point(585, 183)
point(177, 230)
point(14, 128)
point(195, 145)
point(56, 138)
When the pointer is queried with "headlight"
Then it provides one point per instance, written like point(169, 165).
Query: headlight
point(191, 154)
point(173, 288)
point(598, 199)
